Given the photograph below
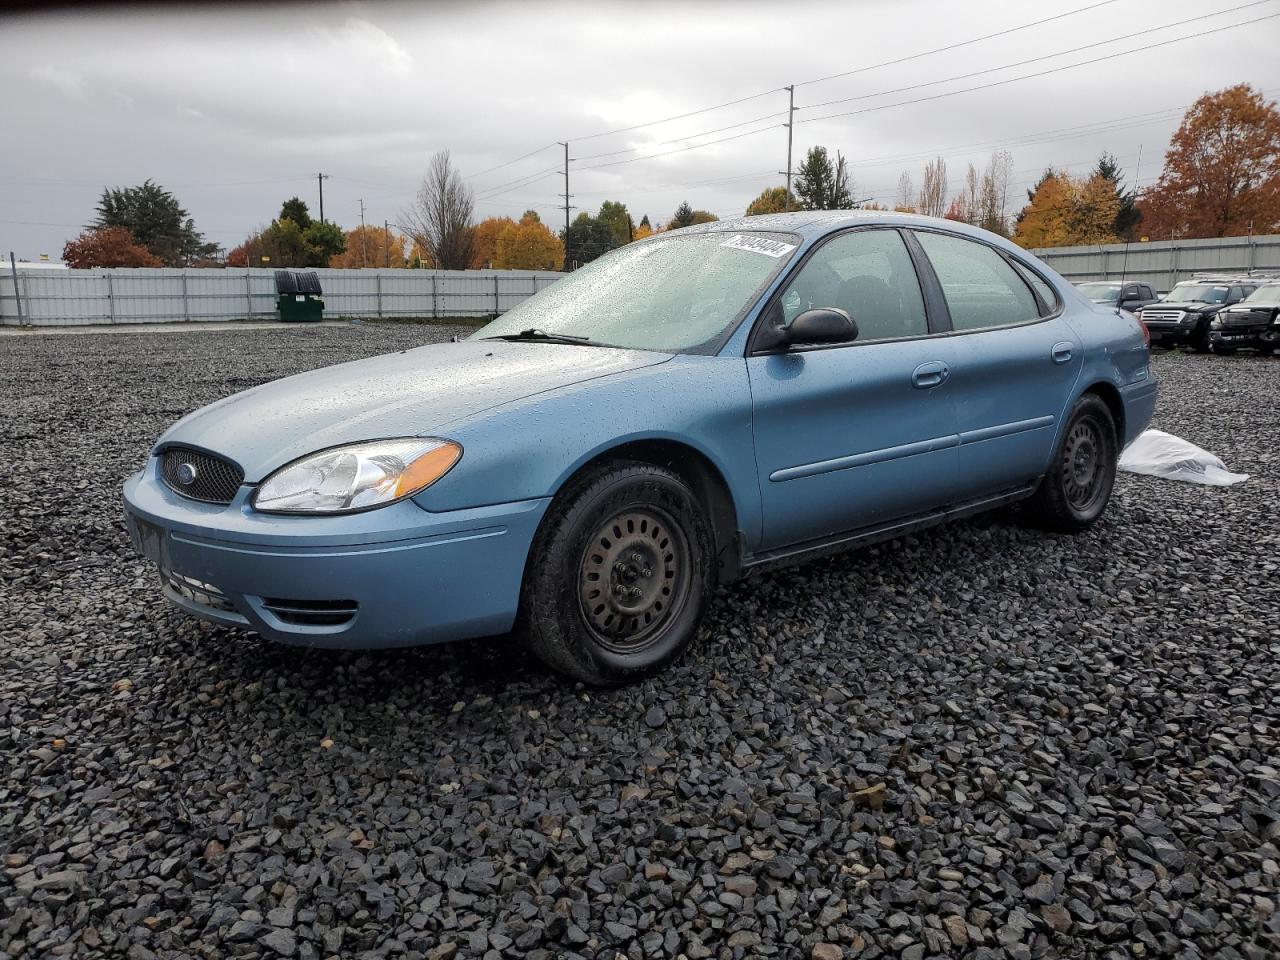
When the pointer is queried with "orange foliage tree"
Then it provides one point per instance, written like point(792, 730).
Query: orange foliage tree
point(1222, 170)
point(371, 247)
point(107, 247)
point(484, 241)
point(528, 245)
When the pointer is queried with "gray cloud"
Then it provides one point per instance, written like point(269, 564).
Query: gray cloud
point(237, 107)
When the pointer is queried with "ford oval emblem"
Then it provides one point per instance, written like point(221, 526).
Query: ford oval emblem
point(187, 474)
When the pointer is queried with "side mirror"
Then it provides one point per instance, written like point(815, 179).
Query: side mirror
point(823, 325)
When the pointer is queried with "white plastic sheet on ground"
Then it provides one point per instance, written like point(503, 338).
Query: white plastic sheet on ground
point(1160, 454)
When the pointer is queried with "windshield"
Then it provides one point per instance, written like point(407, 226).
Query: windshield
point(1197, 293)
point(1265, 295)
point(1100, 291)
point(671, 294)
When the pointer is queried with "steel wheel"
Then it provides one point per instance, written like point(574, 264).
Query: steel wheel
point(1082, 467)
point(634, 578)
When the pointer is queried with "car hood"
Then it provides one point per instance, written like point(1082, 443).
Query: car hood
point(410, 393)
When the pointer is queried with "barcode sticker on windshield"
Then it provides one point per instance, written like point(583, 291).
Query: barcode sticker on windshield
point(770, 248)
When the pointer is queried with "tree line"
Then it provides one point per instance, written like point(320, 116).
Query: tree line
point(1220, 177)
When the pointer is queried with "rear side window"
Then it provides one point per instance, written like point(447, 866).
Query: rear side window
point(867, 273)
point(982, 290)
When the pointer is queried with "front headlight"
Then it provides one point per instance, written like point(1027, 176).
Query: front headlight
point(358, 476)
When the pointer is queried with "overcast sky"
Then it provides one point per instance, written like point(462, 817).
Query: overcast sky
point(237, 107)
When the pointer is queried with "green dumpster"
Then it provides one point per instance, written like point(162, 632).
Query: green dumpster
point(298, 296)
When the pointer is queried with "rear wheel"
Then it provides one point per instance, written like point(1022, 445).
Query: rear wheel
point(1222, 351)
point(1077, 487)
point(619, 574)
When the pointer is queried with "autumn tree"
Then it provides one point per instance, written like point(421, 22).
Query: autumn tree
point(529, 245)
point(156, 221)
point(107, 247)
point(368, 246)
point(771, 200)
point(1221, 173)
point(823, 184)
point(643, 229)
point(615, 214)
point(440, 216)
point(932, 199)
point(484, 241)
point(1068, 211)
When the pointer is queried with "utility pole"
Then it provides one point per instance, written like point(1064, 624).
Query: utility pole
point(364, 237)
point(791, 122)
point(386, 242)
point(320, 179)
point(567, 208)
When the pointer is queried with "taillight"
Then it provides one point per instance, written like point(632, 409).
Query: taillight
point(1146, 334)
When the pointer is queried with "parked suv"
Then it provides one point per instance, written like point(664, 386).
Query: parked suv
point(1127, 295)
point(1184, 315)
point(1253, 322)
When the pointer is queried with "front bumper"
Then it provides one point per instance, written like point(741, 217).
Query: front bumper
point(392, 577)
point(1245, 335)
point(1165, 333)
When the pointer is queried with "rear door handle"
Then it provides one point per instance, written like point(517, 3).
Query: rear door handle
point(931, 374)
point(1062, 351)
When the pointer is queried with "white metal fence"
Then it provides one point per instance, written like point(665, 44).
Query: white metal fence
point(120, 295)
point(1162, 263)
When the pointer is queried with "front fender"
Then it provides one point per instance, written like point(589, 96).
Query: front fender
point(528, 448)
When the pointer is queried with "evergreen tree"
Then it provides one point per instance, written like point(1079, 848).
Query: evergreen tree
point(156, 220)
point(822, 184)
point(1128, 215)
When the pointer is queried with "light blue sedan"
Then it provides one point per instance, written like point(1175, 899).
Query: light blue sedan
point(588, 467)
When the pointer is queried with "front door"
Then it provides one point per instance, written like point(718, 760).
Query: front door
point(854, 435)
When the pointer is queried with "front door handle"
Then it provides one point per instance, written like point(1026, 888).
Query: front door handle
point(1061, 351)
point(931, 374)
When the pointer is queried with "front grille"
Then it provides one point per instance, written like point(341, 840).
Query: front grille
point(1243, 318)
point(200, 476)
point(1168, 316)
point(312, 613)
point(205, 594)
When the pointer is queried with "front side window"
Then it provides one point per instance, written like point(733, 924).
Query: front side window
point(672, 294)
point(868, 274)
point(982, 290)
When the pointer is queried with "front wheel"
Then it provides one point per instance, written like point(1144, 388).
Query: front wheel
point(1077, 487)
point(618, 575)
point(1222, 351)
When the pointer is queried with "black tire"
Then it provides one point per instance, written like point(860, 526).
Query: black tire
point(1200, 338)
point(618, 576)
point(1223, 351)
point(1077, 487)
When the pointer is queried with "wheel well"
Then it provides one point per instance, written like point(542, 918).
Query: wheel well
point(1111, 397)
point(703, 478)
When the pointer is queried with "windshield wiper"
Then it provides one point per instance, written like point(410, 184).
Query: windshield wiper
point(542, 336)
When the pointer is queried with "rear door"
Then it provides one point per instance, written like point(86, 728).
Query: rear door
point(1016, 362)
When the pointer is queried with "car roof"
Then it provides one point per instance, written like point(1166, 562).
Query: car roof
point(816, 223)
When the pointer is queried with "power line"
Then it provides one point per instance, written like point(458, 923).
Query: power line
point(955, 46)
point(696, 146)
point(1030, 76)
point(510, 162)
point(1039, 59)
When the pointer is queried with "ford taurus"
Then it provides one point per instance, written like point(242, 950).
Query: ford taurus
point(589, 466)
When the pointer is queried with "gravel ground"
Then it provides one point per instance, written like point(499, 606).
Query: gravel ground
point(981, 740)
